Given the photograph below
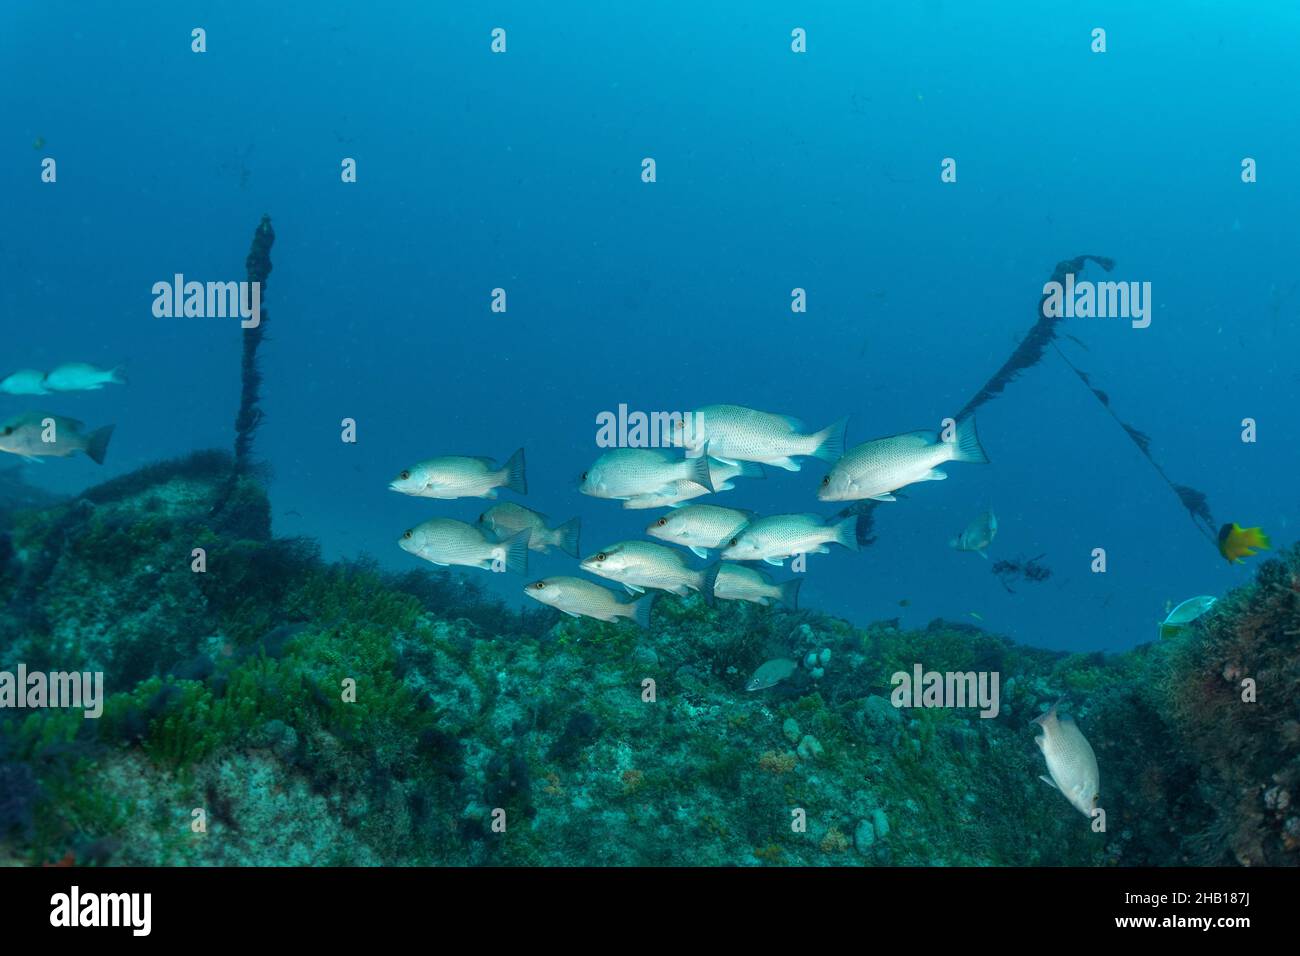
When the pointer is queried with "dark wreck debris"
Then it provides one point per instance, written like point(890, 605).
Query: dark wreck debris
point(258, 266)
point(1046, 332)
point(1021, 569)
point(1032, 347)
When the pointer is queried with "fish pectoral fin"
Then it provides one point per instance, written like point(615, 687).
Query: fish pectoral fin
point(490, 493)
point(633, 589)
point(981, 553)
point(884, 497)
point(572, 614)
point(934, 474)
point(775, 562)
point(789, 464)
point(32, 460)
point(1048, 780)
point(701, 552)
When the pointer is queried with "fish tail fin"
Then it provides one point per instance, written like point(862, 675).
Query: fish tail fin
point(700, 473)
point(566, 536)
point(830, 441)
point(708, 578)
point(118, 375)
point(1045, 718)
point(968, 447)
point(516, 552)
point(790, 594)
point(846, 532)
point(642, 608)
point(514, 473)
point(97, 443)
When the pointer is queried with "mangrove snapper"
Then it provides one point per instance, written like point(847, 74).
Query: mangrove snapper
point(579, 598)
point(699, 527)
point(37, 435)
point(445, 541)
point(638, 565)
point(735, 433)
point(737, 582)
point(25, 381)
point(81, 377)
point(624, 473)
point(777, 537)
point(459, 476)
point(876, 468)
point(507, 518)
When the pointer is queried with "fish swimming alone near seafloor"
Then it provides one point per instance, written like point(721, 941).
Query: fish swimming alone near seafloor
point(82, 377)
point(978, 535)
point(579, 598)
point(624, 473)
point(445, 541)
point(461, 476)
point(1185, 613)
point(1070, 760)
point(735, 433)
point(771, 673)
point(738, 582)
point(877, 468)
point(777, 537)
point(508, 518)
point(1236, 542)
point(699, 527)
point(25, 381)
point(37, 435)
point(638, 565)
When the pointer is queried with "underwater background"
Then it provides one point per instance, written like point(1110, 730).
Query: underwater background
point(522, 170)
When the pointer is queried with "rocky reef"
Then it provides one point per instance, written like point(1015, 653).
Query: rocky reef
point(265, 707)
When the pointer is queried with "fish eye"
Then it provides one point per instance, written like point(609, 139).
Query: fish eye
point(661, 522)
point(826, 480)
point(9, 429)
point(404, 475)
point(733, 542)
point(584, 477)
point(406, 533)
point(540, 585)
point(602, 556)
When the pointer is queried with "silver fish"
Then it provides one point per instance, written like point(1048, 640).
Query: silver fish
point(1070, 760)
point(445, 541)
point(37, 435)
point(699, 527)
point(579, 598)
point(81, 377)
point(460, 476)
point(736, 433)
point(771, 673)
point(876, 468)
point(978, 535)
point(508, 518)
point(624, 473)
point(638, 565)
point(777, 537)
point(721, 474)
point(25, 381)
point(737, 582)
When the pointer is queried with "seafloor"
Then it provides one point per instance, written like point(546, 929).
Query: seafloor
point(226, 696)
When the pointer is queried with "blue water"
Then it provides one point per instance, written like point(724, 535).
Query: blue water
point(775, 171)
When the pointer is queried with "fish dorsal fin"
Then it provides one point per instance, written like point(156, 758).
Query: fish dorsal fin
point(1049, 781)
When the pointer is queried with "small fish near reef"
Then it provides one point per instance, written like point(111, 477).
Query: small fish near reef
point(1236, 542)
point(979, 534)
point(1070, 760)
point(36, 435)
point(508, 518)
point(1185, 614)
point(771, 673)
point(579, 598)
point(446, 541)
point(461, 476)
